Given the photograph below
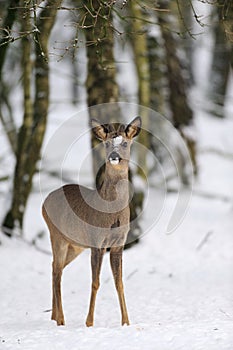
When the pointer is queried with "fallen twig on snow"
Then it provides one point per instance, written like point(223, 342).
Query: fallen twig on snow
point(218, 152)
point(208, 195)
point(32, 243)
point(204, 240)
point(131, 274)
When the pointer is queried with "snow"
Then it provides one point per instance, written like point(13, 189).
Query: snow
point(179, 287)
point(179, 292)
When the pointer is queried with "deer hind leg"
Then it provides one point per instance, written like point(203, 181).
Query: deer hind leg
point(60, 250)
point(96, 262)
point(63, 254)
point(116, 265)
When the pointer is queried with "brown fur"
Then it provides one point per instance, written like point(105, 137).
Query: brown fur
point(79, 218)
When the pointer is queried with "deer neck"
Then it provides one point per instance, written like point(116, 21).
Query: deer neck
point(115, 185)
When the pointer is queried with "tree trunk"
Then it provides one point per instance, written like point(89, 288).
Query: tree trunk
point(226, 17)
point(6, 118)
point(181, 112)
point(33, 128)
point(101, 79)
point(101, 84)
point(7, 25)
point(183, 11)
point(157, 81)
point(221, 62)
point(139, 43)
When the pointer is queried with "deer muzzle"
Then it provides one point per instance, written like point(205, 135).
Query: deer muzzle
point(114, 158)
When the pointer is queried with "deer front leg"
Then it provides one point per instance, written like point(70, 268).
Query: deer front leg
point(96, 262)
point(116, 265)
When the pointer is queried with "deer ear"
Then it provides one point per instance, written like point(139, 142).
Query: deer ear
point(99, 130)
point(134, 128)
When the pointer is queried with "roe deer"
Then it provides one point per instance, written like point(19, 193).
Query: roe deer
point(79, 217)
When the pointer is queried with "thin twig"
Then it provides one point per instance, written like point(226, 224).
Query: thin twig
point(19, 237)
point(11, 39)
point(204, 240)
point(218, 152)
point(195, 15)
point(225, 313)
point(217, 196)
point(131, 274)
point(156, 9)
point(199, 193)
point(187, 30)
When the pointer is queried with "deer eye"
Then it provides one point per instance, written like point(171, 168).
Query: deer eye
point(125, 144)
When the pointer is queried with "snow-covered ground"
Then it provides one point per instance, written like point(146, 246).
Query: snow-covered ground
point(179, 287)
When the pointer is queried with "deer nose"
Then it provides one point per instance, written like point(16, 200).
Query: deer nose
point(114, 155)
point(114, 158)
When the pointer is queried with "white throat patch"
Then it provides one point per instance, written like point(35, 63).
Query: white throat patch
point(114, 161)
point(117, 140)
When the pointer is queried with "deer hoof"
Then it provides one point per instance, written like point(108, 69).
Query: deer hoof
point(126, 322)
point(61, 322)
point(89, 323)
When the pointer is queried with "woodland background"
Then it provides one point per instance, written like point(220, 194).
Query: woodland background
point(95, 40)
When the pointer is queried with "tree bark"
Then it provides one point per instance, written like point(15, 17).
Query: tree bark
point(32, 131)
point(101, 85)
point(7, 25)
point(221, 62)
point(183, 11)
point(225, 11)
point(157, 81)
point(101, 78)
point(139, 43)
point(181, 112)
point(6, 118)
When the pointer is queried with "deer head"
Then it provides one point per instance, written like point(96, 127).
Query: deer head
point(117, 140)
